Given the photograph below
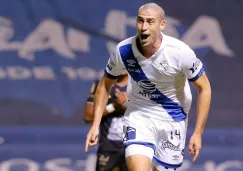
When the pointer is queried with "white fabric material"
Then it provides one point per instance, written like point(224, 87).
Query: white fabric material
point(167, 70)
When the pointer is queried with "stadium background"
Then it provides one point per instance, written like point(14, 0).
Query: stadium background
point(52, 50)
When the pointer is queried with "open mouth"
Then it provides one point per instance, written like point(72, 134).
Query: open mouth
point(144, 36)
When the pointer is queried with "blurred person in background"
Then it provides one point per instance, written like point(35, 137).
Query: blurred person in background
point(111, 153)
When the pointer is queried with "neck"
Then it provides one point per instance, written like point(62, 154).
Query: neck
point(150, 50)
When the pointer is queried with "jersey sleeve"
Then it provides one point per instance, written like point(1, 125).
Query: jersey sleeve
point(190, 65)
point(115, 65)
point(94, 86)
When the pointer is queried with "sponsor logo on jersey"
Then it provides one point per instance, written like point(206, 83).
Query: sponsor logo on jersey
point(131, 62)
point(176, 157)
point(195, 65)
point(133, 70)
point(110, 64)
point(147, 86)
point(147, 89)
point(167, 144)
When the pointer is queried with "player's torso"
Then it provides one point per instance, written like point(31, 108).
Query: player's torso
point(161, 72)
point(155, 78)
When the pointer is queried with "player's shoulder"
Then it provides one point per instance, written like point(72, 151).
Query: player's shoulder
point(123, 46)
point(127, 41)
point(176, 43)
point(181, 49)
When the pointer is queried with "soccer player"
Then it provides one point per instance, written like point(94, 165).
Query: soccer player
point(159, 98)
point(110, 153)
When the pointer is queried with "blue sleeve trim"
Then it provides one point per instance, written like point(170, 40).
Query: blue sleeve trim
point(198, 75)
point(166, 165)
point(151, 145)
point(110, 76)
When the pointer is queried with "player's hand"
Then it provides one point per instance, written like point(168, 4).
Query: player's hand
point(195, 145)
point(121, 97)
point(92, 137)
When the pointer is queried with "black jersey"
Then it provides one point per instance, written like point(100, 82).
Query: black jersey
point(111, 128)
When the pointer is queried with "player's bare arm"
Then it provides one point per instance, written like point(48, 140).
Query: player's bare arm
point(88, 112)
point(101, 98)
point(89, 108)
point(204, 98)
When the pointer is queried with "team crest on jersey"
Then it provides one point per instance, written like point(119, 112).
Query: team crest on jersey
point(130, 133)
point(163, 65)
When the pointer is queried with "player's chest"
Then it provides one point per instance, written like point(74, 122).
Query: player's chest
point(155, 69)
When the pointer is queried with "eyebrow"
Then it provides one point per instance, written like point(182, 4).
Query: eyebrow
point(139, 17)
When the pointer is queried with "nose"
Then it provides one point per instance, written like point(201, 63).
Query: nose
point(144, 26)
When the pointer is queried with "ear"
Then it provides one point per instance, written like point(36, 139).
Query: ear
point(162, 25)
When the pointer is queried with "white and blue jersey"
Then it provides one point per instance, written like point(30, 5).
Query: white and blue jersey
point(158, 86)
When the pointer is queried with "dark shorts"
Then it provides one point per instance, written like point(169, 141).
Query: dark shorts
point(111, 161)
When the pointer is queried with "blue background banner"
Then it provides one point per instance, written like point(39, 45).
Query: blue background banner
point(52, 50)
point(57, 149)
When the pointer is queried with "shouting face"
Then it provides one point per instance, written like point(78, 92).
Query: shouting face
point(150, 22)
